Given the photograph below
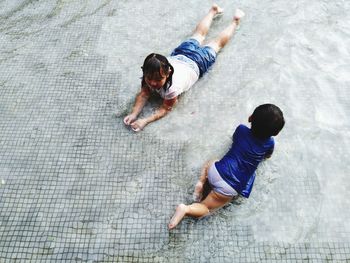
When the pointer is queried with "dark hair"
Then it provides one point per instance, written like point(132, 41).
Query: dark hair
point(267, 120)
point(153, 64)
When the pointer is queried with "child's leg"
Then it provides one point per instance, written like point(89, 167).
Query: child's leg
point(227, 33)
point(203, 26)
point(198, 189)
point(211, 202)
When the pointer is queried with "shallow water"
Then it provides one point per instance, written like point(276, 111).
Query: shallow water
point(295, 55)
point(76, 185)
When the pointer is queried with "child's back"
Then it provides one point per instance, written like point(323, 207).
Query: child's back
point(238, 166)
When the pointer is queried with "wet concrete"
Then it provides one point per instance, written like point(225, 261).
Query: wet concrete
point(76, 185)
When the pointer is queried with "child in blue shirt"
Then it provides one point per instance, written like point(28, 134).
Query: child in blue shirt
point(234, 174)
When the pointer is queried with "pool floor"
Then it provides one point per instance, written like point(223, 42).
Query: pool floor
point(77, 186)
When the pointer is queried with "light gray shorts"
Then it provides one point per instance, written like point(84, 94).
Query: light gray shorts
point(218, 184)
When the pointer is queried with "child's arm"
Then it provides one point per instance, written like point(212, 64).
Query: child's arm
point(140, 102)
point(269, 154)
point(159, 113)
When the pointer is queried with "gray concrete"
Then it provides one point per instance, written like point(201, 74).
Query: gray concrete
point(76, 185)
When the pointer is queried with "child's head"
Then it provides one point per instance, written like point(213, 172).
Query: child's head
point(157, 71)
point(267, 120)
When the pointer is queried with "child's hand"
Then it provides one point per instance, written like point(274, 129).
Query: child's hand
point(138, 125)
point(128, 120)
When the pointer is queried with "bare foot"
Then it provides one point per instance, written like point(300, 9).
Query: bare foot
point(238, 15)
point(217, 9)
point(198, 190)
point(177, 217)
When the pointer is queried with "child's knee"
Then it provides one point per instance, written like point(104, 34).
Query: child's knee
point(199, 37)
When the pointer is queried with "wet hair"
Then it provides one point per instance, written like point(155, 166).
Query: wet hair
point(154, 63)
point(267, 120)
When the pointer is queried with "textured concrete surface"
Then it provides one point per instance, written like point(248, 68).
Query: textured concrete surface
point(77, 186)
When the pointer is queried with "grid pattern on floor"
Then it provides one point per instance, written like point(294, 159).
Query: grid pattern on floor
point(75, 184)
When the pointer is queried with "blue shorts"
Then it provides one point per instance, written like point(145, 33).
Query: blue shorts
point(204, 56)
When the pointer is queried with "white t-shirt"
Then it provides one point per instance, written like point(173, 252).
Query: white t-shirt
point(186, 73)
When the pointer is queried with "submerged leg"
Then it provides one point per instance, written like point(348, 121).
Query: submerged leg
point(204, 25)
point(198, 189)
point(212, 202)
point(218, 43)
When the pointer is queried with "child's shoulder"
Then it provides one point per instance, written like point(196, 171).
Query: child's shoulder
point(241, 131)
point(244, 131)
point(242, 128)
